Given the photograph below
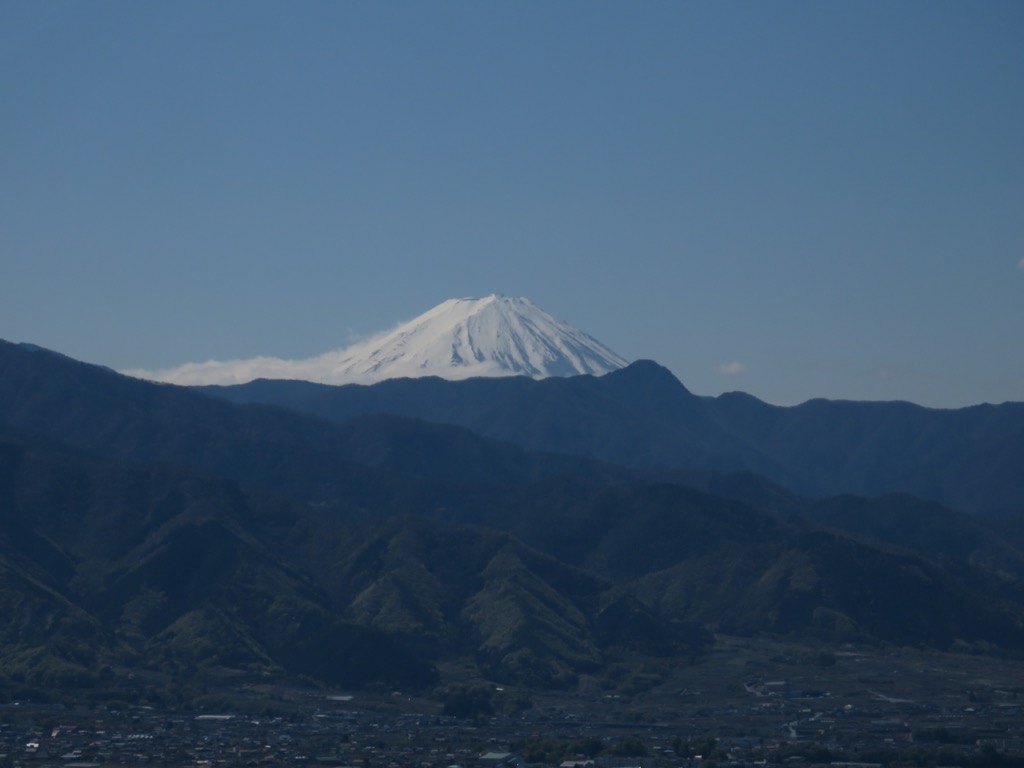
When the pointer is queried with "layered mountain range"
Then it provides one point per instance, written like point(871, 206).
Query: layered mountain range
point(643, 417)
point(530, 530)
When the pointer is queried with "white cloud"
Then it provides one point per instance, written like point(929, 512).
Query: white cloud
point(731, 369)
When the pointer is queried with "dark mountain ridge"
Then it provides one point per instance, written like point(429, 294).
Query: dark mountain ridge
point(643, 417)
point(93, 409)
point(153, 526)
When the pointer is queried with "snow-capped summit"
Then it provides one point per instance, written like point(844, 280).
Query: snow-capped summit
point(458, 339)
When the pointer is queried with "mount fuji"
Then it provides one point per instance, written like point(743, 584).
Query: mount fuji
point(458, 339)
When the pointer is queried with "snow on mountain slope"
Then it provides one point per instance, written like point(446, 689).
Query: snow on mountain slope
point(458, 339)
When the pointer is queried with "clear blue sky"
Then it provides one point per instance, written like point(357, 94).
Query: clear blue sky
point(794, 199)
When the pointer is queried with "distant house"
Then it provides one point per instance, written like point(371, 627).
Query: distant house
point(499, 759)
